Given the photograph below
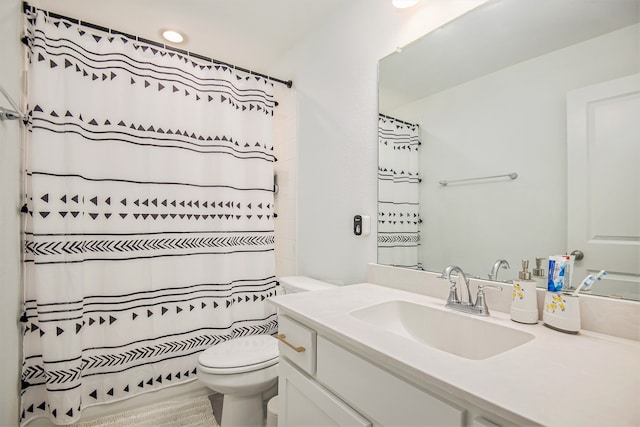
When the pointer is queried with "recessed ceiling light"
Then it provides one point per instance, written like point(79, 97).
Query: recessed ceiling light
point(173, 36)
point(403, 4)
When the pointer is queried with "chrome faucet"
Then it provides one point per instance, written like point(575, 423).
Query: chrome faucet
point(479, 307)
point(493, 274)
point(446, 274)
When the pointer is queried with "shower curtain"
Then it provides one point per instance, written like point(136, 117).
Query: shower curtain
point(398, 196)
point(148, 211)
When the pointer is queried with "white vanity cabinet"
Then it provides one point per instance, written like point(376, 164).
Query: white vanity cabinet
point(377, 372)
point(304, 402)
point(341, 388)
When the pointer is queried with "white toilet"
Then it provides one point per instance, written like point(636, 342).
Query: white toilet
point(244, 368)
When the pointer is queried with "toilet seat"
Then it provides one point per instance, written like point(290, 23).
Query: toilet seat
point(244, 354)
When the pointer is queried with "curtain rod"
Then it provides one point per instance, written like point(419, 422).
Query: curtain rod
point(27, 7)
point(398, 120)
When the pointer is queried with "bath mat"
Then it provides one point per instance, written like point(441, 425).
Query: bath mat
point(192, 412)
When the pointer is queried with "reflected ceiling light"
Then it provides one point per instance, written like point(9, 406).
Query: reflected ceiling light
point(173, 36)
point(403, 4)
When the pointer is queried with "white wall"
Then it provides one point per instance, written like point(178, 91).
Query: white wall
point(334, 71)
point(284, 136)
point(513, 120)
point(10, 79)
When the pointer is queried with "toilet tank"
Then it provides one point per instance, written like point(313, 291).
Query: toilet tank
point(293, 284)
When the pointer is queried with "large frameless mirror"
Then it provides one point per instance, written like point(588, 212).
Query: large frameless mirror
point(511, 133)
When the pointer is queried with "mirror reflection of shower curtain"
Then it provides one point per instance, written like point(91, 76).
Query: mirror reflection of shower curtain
point(148, 215)
point(398, 195)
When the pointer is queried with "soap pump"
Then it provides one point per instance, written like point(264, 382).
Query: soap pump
point(539, 274)
point(524, 298)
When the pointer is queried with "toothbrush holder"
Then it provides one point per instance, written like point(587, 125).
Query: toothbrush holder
point(562, 312)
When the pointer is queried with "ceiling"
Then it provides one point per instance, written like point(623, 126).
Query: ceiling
point(248, 33)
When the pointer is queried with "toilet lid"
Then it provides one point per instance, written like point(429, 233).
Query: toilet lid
point(250, 353)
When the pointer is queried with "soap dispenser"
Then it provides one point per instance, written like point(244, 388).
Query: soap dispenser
point(524, 298)
point(539, 274)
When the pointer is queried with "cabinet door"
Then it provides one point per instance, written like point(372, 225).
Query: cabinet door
point(383, 397)
point(305, 403)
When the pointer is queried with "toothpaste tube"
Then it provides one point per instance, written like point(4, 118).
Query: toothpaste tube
point(559, 273)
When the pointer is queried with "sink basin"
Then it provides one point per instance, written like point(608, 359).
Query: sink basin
point(445, 330)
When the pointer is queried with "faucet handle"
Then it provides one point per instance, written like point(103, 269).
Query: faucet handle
point(453, 295)
point(481, 305)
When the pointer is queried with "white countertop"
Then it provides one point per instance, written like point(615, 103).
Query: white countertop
point(556, 379)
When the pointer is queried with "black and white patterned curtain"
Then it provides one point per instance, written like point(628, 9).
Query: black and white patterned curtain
point(149, 231)
point(398, 195)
